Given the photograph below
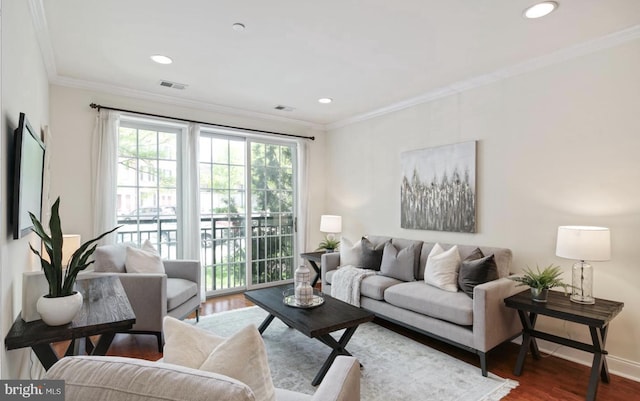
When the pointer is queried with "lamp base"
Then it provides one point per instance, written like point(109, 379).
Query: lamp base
point(582, 299)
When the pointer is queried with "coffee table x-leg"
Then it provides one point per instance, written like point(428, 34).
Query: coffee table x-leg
point(338, 347)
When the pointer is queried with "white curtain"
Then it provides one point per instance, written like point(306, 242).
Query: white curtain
point(104, 168)
point(303, 195)
point(191, 197)
point(45, 213)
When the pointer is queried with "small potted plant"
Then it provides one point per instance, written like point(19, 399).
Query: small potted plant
point(328, 244)
point(61, 303)
point(541, 281)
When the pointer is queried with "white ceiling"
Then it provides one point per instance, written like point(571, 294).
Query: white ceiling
point(367, 55)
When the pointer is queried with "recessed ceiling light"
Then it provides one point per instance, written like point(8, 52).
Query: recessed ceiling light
point(160, 59)
point(325, 100)
point(540, 9)
point(238, 26)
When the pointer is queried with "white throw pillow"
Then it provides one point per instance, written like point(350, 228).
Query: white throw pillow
point(350, 254)
point(187, 345)
point(442, 268)
point(144, 260)
point(244, 358)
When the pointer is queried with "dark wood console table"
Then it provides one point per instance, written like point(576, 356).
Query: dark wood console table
point(105, 311)
point(596, 316)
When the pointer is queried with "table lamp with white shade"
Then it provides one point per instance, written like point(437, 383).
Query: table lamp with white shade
point(583, 243)
point(331, 225)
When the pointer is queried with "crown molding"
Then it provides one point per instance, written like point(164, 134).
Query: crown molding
point(174, 101)
point(36, 7)
point(582, 49)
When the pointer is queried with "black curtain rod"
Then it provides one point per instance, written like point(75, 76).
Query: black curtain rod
point(99, 106)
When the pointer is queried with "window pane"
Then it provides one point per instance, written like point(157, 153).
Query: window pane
point(148, 144)
point(168, 146)
point(205, 149)
point(206, 176)
point(220, 176)
point(220, 150)
point(236, 177)
point(236, 152)
point(168, 174)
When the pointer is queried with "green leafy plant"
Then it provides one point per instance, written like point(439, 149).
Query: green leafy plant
point(328, 244)
point(548, 278)
point(61, 279)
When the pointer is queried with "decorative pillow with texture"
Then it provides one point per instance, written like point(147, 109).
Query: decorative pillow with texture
point(145, 260)
point(350, 254)
point(371, 254)
point(110, 258)
point(244, 358)
point(396, 263)
point(187, 345)
point(475, 270)
point(442, 268)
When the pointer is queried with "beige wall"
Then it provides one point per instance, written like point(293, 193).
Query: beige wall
point(24, 89)
point(555, 146)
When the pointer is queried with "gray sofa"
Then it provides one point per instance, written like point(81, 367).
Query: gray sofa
point(475, 324)
point(125, 379)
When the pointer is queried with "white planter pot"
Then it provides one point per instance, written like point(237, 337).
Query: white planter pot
point(60, 310)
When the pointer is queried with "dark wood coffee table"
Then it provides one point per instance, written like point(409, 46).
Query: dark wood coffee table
point(316, 322)
point(105, 311)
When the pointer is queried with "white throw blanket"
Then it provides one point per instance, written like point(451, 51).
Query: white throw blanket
point(345, 283)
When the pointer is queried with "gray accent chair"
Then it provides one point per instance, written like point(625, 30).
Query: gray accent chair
point(154, 295)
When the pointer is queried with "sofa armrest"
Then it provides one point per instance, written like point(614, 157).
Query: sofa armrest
point(147, 293)
point(342, 382)
point(493, 322)
point(330, 261)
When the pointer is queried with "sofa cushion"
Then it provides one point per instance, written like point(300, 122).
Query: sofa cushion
point(442, 268)
point(110, 258)
point(375, 286)
point(143, 260)
point(185, 344)
point(398, 263)
point(416, 296)
point(476, 269)
point(116, 378)
point(243, 356)
point(350, 254)
point(179, 291)
point(503, 256)
point(371, 254)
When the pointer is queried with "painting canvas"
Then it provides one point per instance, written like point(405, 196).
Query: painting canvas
point(438, 190)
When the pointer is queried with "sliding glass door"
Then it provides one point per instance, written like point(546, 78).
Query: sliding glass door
point(247, 197)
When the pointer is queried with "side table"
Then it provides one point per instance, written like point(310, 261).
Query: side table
point(105, 311)
point(314, 258)
point(596, 316)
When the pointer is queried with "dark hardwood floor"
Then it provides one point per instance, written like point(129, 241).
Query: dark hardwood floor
point(549, 379)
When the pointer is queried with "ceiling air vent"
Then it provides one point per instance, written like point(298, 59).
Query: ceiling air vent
point(283, 108)
point(174, 85)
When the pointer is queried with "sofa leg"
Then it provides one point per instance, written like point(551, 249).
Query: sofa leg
point(483, 363)
point(159, 337)
point(198, 315)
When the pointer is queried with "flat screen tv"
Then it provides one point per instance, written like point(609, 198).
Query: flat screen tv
point(27, 177)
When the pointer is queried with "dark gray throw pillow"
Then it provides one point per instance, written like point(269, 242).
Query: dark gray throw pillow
point(398, 263)
point(476, 271)
point(371, 254)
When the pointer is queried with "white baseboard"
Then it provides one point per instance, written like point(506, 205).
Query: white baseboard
point(617, 365)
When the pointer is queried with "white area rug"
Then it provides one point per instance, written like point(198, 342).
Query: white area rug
point(394, 367)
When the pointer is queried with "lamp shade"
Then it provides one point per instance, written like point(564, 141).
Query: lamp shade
point(70, 244)
point(584, 243)
point(330, 224)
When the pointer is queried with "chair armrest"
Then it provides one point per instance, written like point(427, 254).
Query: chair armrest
point(147, 293)
point(493, 322)
point(185, 269)
point(329, 261)
point(342, 382)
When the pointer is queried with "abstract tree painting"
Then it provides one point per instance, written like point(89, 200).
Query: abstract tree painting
point(438, 190)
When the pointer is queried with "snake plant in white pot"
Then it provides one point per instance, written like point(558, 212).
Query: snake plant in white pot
point(60, 305)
